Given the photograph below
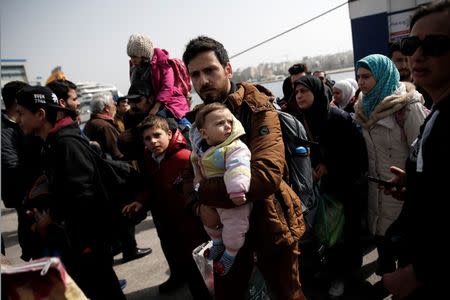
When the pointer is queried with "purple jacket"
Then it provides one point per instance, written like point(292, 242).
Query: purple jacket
point(163, 83)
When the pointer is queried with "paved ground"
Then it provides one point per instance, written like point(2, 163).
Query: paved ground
point(145, 274)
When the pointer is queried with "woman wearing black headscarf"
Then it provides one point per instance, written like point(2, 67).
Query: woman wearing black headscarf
point(339, 162)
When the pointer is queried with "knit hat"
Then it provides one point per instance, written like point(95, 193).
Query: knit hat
point(140, 45)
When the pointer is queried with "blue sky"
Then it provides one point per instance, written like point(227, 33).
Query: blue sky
point(88, 37)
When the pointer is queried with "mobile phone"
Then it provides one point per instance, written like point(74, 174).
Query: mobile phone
point(384, 183)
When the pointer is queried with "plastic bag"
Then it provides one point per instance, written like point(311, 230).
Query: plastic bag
point(257, 289)
point(329, 226)
point(45, 278)
point(204, 265)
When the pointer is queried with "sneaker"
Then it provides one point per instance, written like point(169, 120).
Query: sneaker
point(123, 283)
point(336, 289)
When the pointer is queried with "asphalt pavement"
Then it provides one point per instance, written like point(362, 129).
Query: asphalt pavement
point(145, 274)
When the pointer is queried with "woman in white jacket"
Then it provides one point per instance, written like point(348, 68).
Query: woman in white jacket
point(390, 113)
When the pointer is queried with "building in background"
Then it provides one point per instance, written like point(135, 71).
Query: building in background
point(376, 23)
point(13, 69)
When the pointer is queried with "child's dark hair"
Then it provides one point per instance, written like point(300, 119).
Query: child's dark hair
point(153, 121)
point(205, 110)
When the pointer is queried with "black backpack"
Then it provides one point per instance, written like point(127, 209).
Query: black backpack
point(299, 166)
point(296, 146)
point(119, 181)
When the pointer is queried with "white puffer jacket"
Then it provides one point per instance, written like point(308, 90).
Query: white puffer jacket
point(388, 145)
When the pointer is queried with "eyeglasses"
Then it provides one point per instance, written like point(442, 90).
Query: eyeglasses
point(432, 45)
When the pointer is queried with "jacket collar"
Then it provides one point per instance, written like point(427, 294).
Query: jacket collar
point(66, 121)
point(389, 105)
point(257, 97)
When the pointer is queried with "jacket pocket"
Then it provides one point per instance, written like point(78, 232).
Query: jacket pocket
point(283, 216)
point(291, 210)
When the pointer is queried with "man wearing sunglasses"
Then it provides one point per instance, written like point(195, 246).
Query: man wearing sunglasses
point(423, 223)
point(401, 63)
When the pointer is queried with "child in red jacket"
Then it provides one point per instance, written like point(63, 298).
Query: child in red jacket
point(166, 155)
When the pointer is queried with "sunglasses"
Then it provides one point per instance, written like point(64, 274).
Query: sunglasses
point(432, 45)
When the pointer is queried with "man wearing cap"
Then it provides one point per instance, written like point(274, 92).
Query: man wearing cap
point(140, 97)
point(73, 182)
point(20, 166)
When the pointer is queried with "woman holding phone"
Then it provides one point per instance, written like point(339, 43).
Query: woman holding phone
point(390, 113)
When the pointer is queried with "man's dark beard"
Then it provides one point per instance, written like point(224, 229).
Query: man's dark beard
point(220, 98)
point(136, 113)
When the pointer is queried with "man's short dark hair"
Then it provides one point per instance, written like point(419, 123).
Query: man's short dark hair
point(203, 44)
point(297, 69)
point(393, 47)
point(10, 90)
point(426, 10)
point(61, 88)
point(320, 71)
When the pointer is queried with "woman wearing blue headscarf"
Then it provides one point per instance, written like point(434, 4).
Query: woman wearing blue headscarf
point(390, 113)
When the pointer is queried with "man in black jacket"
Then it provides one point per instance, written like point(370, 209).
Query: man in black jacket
point(74, 183)
point(423, 220)
point(20, 166)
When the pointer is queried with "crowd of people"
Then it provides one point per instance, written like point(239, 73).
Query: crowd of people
point(218, 172)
